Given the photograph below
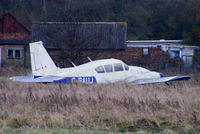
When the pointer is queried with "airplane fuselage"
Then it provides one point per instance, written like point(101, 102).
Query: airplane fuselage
point(102, 71)
point(44, 70)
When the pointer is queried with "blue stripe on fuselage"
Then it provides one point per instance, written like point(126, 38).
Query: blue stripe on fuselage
point(67, 80)
point(35, 77)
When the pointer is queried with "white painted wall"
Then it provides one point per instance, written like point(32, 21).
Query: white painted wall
point(186, 53)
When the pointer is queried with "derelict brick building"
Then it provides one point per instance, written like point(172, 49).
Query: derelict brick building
point(98, 40)
point(14, 40)
point(93, 39)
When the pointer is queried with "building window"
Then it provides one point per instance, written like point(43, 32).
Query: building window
point(174, 53)
point(14, 54)
point(10, 54)
point(145, 51)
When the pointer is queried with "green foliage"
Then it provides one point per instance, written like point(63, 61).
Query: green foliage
point(193, 37)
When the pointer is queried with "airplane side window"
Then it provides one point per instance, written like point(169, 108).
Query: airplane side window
point(126, 67)
point(118, 67)
point(100, 69)
point(108, 68)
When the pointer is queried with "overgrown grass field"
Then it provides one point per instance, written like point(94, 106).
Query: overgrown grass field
point(109, 108)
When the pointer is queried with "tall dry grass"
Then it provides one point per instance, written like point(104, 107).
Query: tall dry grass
point(108, 107)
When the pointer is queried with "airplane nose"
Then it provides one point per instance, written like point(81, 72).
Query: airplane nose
point(162, 75)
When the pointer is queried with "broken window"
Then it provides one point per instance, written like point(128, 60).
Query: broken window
point(10, 54)
point(14, 54)
point(17, 54)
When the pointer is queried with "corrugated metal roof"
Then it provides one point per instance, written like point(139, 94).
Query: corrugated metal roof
point(159, 43)
point(154, 41)
point(89, 35)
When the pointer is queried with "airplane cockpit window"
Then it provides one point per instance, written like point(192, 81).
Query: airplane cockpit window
point(108, 68)
point(126, 67)
point(118, 67)
point(100, 69)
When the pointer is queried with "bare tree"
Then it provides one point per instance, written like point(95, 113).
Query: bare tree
point(44, 7)
point(73, 39)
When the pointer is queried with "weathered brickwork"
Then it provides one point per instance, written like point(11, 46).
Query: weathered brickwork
point(156, 58)
point(12, 29)
point(14, 38)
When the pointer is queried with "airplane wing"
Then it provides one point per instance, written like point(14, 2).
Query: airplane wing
point(31, 79)
point(54, 79)
point(162, 79)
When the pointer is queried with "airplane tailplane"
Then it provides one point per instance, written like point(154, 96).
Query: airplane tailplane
point(41, 62)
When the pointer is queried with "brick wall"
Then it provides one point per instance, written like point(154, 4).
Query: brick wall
point(12, 29)
point(132, 56)
point(13, 35)
point(156, 58)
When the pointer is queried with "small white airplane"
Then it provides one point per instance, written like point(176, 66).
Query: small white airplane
point(44, 70)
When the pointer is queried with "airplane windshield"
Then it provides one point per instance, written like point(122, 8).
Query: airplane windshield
point(126, 67)
point(100, 69)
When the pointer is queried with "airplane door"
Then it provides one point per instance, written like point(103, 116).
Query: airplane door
point(109, 75)
point(101, 75)
point(119, 73)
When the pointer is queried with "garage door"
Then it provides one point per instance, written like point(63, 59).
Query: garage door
point(188, 62)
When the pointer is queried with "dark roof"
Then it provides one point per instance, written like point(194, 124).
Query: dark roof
point(16, 20)
point(14, 42)
point(89, 35)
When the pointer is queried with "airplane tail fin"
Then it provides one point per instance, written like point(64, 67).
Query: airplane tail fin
point(41, 62)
